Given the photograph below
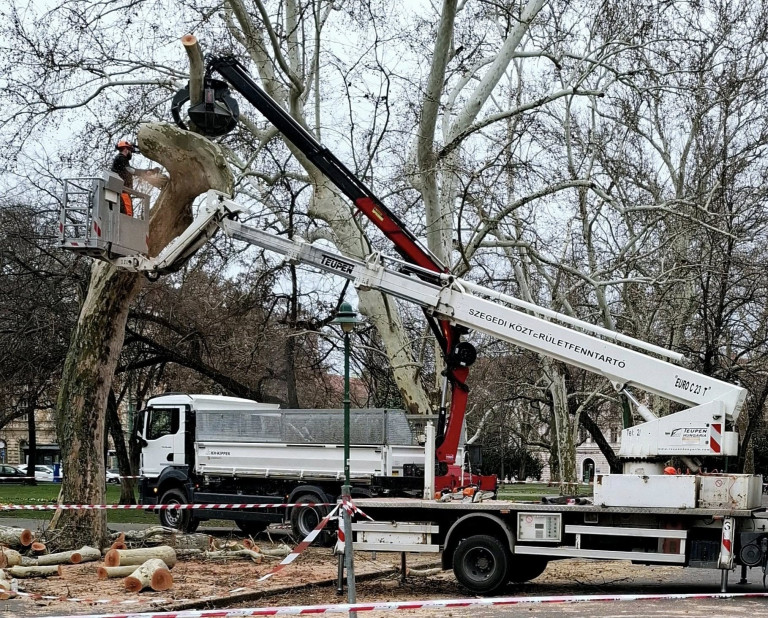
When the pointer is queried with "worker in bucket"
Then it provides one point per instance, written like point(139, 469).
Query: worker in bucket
point(122, 167)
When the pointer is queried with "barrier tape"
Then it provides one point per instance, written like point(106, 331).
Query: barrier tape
point(352, 508)
point(432, 604)
point(301, 546)
point(180, 507)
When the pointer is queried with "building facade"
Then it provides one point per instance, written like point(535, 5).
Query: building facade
point(14, 440)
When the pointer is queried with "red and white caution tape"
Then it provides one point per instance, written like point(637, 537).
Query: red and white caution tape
point(433, 604)
point(149, 507)
point(301, 546)
point(352, 508)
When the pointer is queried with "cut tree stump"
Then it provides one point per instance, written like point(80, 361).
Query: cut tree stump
point(153, 574)
point(107, 572)
point(35, 571)
point(38, 548)
point(121, 557)
point(16, 537)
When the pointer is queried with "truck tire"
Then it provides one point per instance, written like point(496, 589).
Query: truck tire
point(177, 518)
point(304, 520)
point(525, 568)
point(481, 564)
point(251, 527)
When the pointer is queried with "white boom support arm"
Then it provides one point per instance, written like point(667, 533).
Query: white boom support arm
point(689, 432)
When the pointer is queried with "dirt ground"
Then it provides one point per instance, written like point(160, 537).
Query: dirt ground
point(309, 580)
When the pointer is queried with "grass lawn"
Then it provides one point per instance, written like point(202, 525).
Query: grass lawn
point(533, 492)
point(46, 493)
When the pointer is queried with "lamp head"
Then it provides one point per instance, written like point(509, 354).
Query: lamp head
point(346, 317)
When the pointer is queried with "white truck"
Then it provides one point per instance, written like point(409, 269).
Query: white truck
point(211, 449)
point(643, 515)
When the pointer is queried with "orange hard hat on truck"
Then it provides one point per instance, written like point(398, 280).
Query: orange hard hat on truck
point(670, 470)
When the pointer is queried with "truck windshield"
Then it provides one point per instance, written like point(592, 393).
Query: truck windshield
point(162, 422)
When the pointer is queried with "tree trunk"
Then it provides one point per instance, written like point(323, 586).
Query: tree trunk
point(115, 430)
point(122, 557)
point(153, 573)
point(566, 445)
point(32, 443)
point(194, 165)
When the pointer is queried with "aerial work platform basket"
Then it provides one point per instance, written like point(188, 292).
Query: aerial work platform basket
point(91, 223)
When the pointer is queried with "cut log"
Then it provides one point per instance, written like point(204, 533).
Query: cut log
point(84, 554)
point(281, 550)
point(187, 553)
point(62, 557)
point(423, 572)
point(16, 537)
point(11, 557)
point(107, 572)
point(5, 584)
point(223, 554)
point(142, 535)
point(121, 557)
point(35, 571)
point(38, 548)
point(28, 561)
point(153, 574)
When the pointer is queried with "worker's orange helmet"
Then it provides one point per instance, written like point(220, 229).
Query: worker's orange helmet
point(125, 144)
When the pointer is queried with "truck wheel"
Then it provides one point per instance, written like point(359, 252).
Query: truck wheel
point(525, 568)
point(304, 519)
point(252, 527)
point(177, 518)
point(481, 564)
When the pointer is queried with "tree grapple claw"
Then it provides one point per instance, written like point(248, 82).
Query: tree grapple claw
point(216, 115)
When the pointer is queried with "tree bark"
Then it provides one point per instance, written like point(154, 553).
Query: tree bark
point(194, 165)
point(153, 574)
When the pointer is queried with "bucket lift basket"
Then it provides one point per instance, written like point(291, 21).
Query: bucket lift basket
point(90, 221)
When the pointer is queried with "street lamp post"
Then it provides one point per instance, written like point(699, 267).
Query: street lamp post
point(346, 317)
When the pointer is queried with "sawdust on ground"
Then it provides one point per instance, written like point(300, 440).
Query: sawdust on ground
point(309, 580)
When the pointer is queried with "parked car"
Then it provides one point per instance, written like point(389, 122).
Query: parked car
point(113, 476)
point(9, 474)
point(42, 472)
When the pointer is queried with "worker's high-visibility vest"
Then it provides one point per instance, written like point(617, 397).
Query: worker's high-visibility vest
point(127, 207)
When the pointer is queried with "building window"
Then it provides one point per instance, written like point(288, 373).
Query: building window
point(2, 451)
point(614, 434)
